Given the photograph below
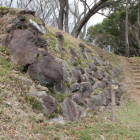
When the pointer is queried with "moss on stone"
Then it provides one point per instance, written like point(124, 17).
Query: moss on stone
point(38, 21)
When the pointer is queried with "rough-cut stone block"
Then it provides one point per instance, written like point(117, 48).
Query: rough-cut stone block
point(47, 71)
point(71, 110)
point(61, 89)
point(79, 98)
point(91, 105)
point(59, 35)
point(92, 66)
point(98, 75)
point(73, 53)
point(49, 103)
point(75, 87)
point(20, 43)
point(86, 89)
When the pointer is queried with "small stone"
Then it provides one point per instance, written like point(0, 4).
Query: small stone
point(42, 88)
point(38, 94)
point(102, 137)
point(59, 35)
point(59, 120)
point(82, 46)
point(7, 103)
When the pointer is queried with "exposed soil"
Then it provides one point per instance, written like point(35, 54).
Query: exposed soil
point(132, 88)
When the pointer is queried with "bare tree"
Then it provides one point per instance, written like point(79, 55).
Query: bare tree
point(7, 3)
point(91, 11)
point(10, 4)
point(63, 15)
point(77, 15)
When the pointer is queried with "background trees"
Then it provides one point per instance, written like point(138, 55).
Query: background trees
point(119, 31)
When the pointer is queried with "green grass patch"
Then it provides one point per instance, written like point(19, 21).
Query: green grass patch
point(37, 20)
point(127, 126)
point(35, 103)
point(5, 60)
point(85, 135)
point(61, 97)
point(3, 8)
point(97, 91)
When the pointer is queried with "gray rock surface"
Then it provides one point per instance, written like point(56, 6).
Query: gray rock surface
point(91, 105)
point(40, 28)
point(20, 43)
point(62, 88)
point(73, 53)
point(75, 87)
point(92, 66)
point(71, 110)
point(98, 75)
point(86, 89)
point(47, 71)
point(79, 98)
point(49, 103)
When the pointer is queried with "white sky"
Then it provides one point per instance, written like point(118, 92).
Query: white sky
point(97, 18)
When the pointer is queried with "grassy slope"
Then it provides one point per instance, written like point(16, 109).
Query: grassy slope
point(19, 117)
point(112, 58)
point(20, 121)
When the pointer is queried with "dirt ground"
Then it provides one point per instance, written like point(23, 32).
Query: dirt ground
point(129, 82)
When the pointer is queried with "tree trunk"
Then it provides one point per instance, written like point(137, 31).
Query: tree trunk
point(61, 18)
point(83, 32)
point(10, 3)
point(99, 5)
point(127, 48)
point(62, 4)
point(67, 17)
point(138, 13)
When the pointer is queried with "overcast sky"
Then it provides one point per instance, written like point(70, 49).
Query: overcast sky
point(97, 18)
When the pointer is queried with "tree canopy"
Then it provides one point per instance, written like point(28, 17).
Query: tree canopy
point(111, 32)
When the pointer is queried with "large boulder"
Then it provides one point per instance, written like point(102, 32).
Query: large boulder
point(74, 61)
point(49, 103)
point(101, 99)
point(71, 110)
point(91, 105)
point(73, 53)
point(75, 87)
point(100, 84)
point(96, 61)
point(23, 50)
point(83, 55)
point(86, 89)
point(76, 75)
point(79, 98)
point(98, 75)
point(91, 80)
point(116, 71)
point(40, 42)
point(24, 12)
point(62, 88)
point(81, 69)
point(47, 71)
point(92, 66)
